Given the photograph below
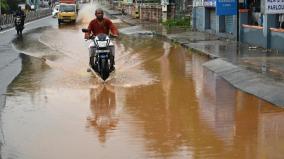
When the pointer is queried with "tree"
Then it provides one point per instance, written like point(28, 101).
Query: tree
point(4, 6)
point(13, 4)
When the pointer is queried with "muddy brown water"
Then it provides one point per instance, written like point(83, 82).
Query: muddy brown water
point(160, 103)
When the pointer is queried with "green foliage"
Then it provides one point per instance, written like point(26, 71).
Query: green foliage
point(4, 6)
point(8, 6)
point(13, 4)
point(181, 22)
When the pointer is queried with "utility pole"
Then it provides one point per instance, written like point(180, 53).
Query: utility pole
point(140, 12)
point(238, 22)
point(0, 7)
point(164, 4)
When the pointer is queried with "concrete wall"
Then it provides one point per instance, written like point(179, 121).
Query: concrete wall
point(252, 36)
point(277, 41)
point(199, 18)
point(262, 36)
point(148, 11)
point(151, 13)
point(201, 22)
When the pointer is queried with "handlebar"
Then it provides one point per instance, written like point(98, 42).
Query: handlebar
point(84, 30)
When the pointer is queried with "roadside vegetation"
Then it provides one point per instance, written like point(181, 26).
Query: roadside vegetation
point(180, 22)
point(8, 6)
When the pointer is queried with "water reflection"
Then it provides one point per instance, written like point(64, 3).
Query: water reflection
point(202, 117)
point(271, 138)
point(237, 121)
point(217, 106)
point(33, 44)
point(165, 72)
point(103, 107)
point(30, 78)
point(166, 108)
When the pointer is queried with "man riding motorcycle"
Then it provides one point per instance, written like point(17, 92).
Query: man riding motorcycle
point(101, 25)
point(21, 14)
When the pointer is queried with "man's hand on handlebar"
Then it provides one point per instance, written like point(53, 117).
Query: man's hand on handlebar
point(87, 36)
point(113, 36)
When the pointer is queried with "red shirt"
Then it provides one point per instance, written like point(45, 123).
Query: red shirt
point(96, 27)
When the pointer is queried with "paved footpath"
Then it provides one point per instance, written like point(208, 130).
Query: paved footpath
point(251, 69)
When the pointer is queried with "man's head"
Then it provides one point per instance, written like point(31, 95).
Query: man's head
point(99, 14)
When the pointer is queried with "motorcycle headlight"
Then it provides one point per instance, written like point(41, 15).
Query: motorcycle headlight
point(103, 43)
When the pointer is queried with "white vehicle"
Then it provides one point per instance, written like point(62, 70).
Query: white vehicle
point(55, 11)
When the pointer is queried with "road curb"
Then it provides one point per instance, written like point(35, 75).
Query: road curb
point(248, 81)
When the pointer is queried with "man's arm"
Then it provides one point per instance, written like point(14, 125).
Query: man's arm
point(113, 28)
point(87, 34)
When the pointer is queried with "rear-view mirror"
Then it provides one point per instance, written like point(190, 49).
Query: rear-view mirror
point(85, 30)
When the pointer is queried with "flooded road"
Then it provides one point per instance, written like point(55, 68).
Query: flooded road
point(160, 103)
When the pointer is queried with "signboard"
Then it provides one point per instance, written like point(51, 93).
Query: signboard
point(273, 6)
point(209, 3)
point(127, 1)
point(164, 2)
point(197, 3)
point(164, 8)
point(226, 7)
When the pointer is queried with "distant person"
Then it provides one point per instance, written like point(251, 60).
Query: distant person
point(21, 14)
point(260, 20)
point(123, 11)
point(49, 3)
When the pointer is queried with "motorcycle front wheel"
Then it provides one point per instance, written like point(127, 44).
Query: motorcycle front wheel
point(104, 69)
point(19, 30)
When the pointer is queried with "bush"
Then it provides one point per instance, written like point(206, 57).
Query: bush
point(4, 7)
point(181, 22)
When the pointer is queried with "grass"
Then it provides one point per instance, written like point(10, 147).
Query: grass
point(181, 22)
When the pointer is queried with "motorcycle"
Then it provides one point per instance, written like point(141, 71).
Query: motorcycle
point(100, 63)
point(18, 25)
